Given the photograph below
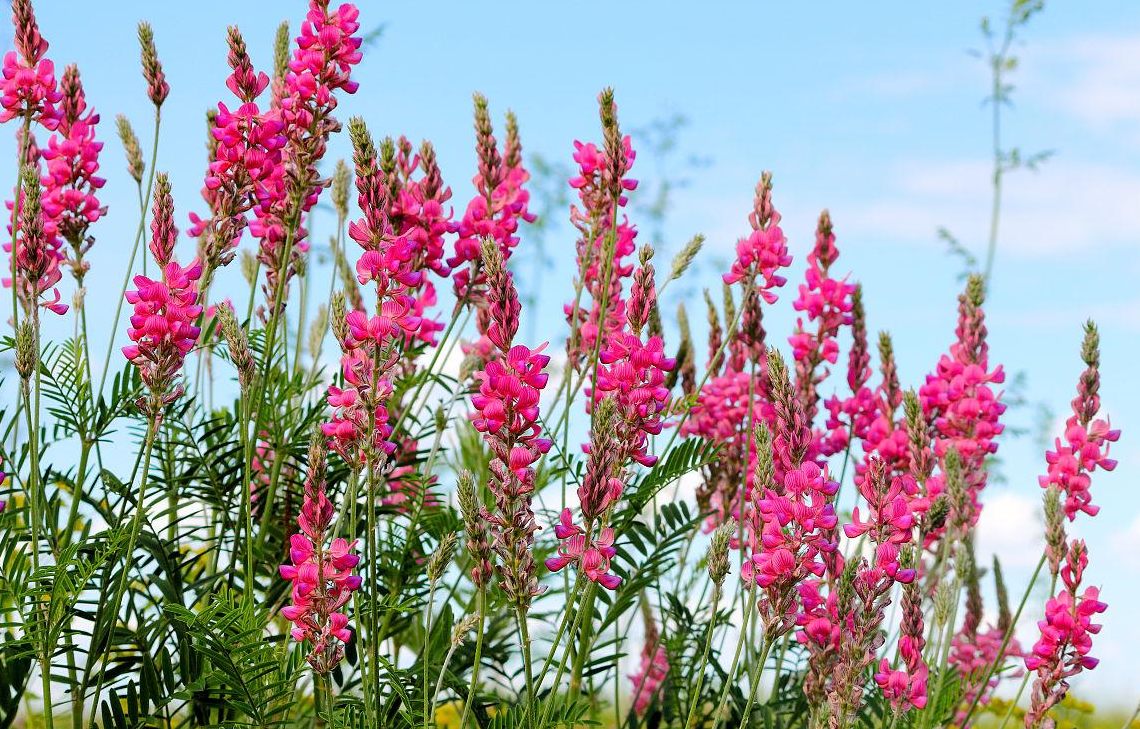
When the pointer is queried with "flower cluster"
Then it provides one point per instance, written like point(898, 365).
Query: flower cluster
point(72, 157)
point(29, 89)
point(36, 254)
point(1087, 440)
point(506, 413)
point(906, 685)
point(359, 429)
point(495, 211)
point(828, 302)
point(321, 573)
point(850, 419)
point(649, 680)
point(1062, 651)
point(163, 326)
point(604, 241)
point(958, 400)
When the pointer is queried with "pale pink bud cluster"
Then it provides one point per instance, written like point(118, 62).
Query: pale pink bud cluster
point(648, 682)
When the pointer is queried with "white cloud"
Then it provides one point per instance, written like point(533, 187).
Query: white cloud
point(1067, 208)
point(1099, 77)
point(1010, 528)
point(1128, 542)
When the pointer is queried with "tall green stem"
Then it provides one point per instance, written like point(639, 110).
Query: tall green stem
point(132, 540)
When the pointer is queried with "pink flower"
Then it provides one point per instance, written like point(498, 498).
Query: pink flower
point(828, 302)
point(494, 213)
point(506, 412)
point(632, 373)
point(28, 88)
point(604, 241)
point(761, 255)
point(649, 681)
point(1086, 441)
point(959, 402)
point(902, 687)
point(321, 573)
point(36, 256)
point(1062, 651)
point(163, 326)
point(591, 557)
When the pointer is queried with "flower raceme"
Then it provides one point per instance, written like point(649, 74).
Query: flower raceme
point(506, 412)
point(1086, 439)
point(163, 326)
point(321, 572)
point(29, 89)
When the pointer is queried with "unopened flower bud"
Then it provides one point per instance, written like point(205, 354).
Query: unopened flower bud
point(318, 329)
point(945, 598)
point(131, 148)
point(684, 259)
point(156, 86)
point(462, 628)
point(339, 325)
point(342, 180)
point(1054, 529)
point(281, 51)
point(1005, 620)
point(25, 350)
point(441, 558)
point(238, 344)
point(249, 266)
point(718, 551)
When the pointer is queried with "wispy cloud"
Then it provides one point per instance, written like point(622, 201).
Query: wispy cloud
point(1093, 78)
point(1067, 207)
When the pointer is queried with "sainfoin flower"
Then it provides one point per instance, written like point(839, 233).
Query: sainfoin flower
point(36, 257)
point(826, 302)
point(494, 212)
point(29, 89)
point(1086, 439)
point(1063, 649)
point(359, 428)
point(649, 680)
point(506, 412)
point(604, 240)
point(958, 400)
point(163, 326)
point(72, 157)
point(321, 572)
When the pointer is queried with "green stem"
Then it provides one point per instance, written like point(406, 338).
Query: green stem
point(132, 540)
point(130, 264)
point(754, 691)
point(481, 599)
point(696, 693)
point(730, 680)
point(1005, 639)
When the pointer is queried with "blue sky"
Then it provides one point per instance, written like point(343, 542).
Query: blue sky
point(870, 109)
